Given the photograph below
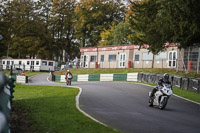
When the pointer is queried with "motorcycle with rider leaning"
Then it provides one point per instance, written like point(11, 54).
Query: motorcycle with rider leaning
point(161, 93)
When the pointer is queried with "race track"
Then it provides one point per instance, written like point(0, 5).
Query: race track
point(123, 105)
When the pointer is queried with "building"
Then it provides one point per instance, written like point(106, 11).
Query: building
point(128, 56)
point(29, 64)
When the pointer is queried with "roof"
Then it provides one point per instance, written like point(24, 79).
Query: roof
point(121, 47)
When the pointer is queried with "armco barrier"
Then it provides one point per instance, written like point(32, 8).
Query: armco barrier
point(62, 78)
point(6, 90)
point(94, 77)
point(132, 76)
point(75, 78)
point(106, 77)
point(22, 79)
point(57, 78)
point(120, 77)
point(83, 77)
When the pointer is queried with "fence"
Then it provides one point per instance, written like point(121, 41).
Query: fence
point(6, 95)
point(189, 59)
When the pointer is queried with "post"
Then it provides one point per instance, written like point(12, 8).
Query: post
point(198, 61)
point(188, 60)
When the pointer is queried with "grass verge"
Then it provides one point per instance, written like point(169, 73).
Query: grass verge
point(52, 109)
point(194, 96)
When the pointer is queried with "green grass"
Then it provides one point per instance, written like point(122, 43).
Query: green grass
point(53, 110)
point(187, 94)
point(126, 70)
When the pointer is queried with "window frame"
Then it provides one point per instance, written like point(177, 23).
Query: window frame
point(109, 60)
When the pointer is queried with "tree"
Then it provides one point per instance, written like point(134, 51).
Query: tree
point(94, 17)
point(63, 19)
point(159, 21)
point(116, 35)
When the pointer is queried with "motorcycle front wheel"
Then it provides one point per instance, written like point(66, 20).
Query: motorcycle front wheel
point(163, 104)
point(150, 103)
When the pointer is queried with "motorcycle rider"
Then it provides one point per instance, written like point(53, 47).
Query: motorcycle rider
point(68, 77)
point(164, 79)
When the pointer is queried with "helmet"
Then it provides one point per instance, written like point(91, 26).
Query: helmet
point(166, 77)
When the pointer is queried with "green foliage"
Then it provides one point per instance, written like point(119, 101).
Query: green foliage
point(94, 17)
point(159, 21)
point(116, 35)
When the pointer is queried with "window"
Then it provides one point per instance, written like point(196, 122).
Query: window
point(93, 58)
point(147, 56)
point(44, 63)
point(137, 56)
point(102, 58)
point(112, 58)
point(28, 62)
point(50, 63)
point(12, 62)
point(8, 62)
point(172, 58)
point(4, 62)
point(161, 56)
point(37, 62)
point(20, 62)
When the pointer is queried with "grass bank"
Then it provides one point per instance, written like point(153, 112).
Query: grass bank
point(53, 110)
point(125, 70)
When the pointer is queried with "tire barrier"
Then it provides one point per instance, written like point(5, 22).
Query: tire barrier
point(6, 95)
point(194, 85)
point(184, 83)
point(176, 82)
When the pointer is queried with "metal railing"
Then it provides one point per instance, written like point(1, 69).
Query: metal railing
point(6, 95)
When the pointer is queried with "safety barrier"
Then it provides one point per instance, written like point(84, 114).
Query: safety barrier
point(21, 79)
point(6, 95)
point(83, 77)
point(177, 81)
point(184, 83)
point(99, 77)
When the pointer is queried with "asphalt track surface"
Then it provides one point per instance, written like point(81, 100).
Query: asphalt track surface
point(123, 106)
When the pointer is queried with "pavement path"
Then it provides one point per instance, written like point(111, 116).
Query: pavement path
point(123, 105)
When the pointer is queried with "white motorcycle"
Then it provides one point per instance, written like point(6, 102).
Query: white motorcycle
point(161, 96)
